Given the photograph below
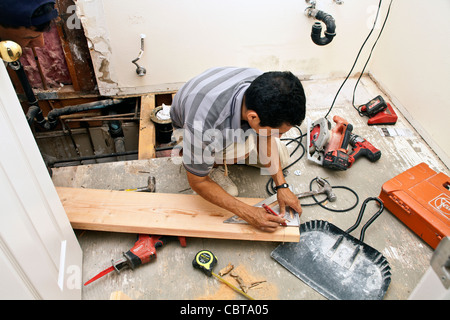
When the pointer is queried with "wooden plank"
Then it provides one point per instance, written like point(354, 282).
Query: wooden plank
point(160, 214)
point(146, 128)
point(119, 295)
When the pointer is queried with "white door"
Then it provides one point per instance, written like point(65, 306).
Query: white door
point(40, 257)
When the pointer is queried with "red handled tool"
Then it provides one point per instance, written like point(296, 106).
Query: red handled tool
point(144, 251)
point(335, 153)
point(362, 147)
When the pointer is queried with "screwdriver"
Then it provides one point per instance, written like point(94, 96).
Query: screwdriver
point(205, 260)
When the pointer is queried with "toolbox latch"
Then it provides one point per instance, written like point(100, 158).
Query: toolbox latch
point(403, 205)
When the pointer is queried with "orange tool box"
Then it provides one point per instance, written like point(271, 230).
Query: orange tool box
point(420, 198)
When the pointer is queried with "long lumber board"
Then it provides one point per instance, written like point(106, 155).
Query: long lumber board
point(160, 214)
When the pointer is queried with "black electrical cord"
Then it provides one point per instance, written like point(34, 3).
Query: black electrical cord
point(370, 55)
point(357, 57)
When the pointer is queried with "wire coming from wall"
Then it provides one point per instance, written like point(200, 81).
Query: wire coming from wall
point(370, 55)
point(359, 53)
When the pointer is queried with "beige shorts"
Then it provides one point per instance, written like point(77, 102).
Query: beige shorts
point(244, 153)
point(247, 153)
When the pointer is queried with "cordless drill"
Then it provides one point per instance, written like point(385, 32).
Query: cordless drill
point(362, 147)
point(336, 154)
point(340, 159)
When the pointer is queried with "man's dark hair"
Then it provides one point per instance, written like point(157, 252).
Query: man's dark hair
point(278, 98)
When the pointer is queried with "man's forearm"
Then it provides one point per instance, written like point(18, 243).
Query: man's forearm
point(273, 162)
point(213, 193)
point(278, 178)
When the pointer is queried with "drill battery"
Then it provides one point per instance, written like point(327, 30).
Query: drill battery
point(373, 107)
point(420, 198)
point(337, 160)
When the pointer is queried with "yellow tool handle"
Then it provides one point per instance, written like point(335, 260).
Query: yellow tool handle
point(231, 286)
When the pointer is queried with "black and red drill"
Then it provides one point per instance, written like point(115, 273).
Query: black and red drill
point(143, 251)
point(335, 145)
point(362, 148)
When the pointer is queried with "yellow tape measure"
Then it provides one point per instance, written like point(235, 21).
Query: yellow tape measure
point(205, 260)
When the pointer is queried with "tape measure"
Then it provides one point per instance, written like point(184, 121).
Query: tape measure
point(205, 260)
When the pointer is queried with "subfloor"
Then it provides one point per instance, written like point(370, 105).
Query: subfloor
point(171, 275)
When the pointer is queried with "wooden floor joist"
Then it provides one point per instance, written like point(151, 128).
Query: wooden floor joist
point(160, 214)
point(146, 128)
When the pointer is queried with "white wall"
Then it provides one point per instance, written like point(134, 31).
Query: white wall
point(412, 62)
point(183, 38)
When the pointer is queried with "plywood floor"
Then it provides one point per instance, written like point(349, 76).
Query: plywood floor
point(171, 275)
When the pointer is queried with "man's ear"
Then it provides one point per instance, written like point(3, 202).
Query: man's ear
point(252, 118)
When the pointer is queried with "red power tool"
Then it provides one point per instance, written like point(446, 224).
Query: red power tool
point(362, 147)
point(144, 251)
point(329, 147)
point(335, 154)
point(341, 160)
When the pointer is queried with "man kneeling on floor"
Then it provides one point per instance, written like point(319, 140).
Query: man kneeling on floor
point(236, 115)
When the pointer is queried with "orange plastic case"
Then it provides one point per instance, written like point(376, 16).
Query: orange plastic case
point(420, 198)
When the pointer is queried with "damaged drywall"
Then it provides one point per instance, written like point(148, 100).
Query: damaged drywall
point(91, 15)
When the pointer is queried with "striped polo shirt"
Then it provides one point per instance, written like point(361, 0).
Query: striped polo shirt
point(208, 110)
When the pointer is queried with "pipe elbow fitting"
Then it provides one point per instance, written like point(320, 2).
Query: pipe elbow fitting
point(316, 31)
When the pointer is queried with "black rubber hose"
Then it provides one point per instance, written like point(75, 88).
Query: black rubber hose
point(20, 71)
point(35, 112)
point(55, 113)
point(316, 32)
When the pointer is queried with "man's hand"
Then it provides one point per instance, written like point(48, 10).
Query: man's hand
point(287, 198)
point(212, 192)
point(261, 219)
